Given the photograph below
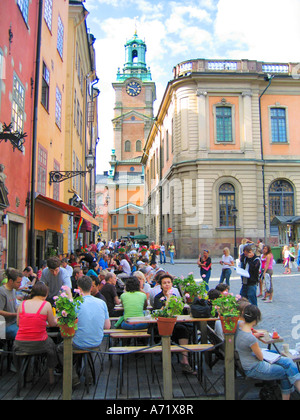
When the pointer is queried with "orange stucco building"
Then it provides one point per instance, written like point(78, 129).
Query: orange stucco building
point(222, 161)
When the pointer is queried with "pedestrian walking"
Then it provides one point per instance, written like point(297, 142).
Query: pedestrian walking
point(251, 263)
point(172, 252)
point(163, 253)
point(227, 261)
point(204, 262)
point(267, 259)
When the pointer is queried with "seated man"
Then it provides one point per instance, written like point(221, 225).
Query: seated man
point(65, 264)
point(77, 272)
point(124, 266)
point(8, 302)
point(95, 290)
point(28, 278)
point(55, 276)
point(93, 318)
point(109, 291)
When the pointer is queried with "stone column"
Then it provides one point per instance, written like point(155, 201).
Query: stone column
point(247, 111)
point(202, 119)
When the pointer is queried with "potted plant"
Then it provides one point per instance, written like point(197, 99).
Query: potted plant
point(66, 312)
point(227, 307)
point(167, 315)
point(157, 250)
point(191, 289)
point(143, 250)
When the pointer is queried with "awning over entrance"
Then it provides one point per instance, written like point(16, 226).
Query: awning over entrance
point(57, 205)
point(285, 220)
point(67, 209)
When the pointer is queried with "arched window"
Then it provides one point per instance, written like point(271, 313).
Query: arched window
point(127, 146)
point(226, 204)
point(138, 146)
point(281, 199)
point(135, 56)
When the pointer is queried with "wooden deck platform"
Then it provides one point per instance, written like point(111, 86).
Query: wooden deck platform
point(137, 382)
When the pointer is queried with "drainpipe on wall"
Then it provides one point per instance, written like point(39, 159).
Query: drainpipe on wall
point(268, 78)
point(31, 241)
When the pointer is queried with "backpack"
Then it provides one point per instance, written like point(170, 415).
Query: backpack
point(271, 392)
point(200, 308)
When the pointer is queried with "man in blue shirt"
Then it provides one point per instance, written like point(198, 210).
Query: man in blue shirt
point(93, 318)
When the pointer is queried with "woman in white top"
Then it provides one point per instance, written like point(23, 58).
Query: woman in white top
point(227, 261)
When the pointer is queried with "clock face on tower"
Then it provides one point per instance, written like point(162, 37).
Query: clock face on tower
point(133, 88)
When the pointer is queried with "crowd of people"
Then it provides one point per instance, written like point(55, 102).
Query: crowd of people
point(123, 274)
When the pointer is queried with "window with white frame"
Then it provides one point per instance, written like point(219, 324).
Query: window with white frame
point(223, 124)
point(2, 76)
point(60, 37)
point(45, 87)
point(18, 105)
point(278, 125)
point(127, 146)
point(24, 6)
point(42, 170)
point(130, 220)
point(48, 13)
point(226, 204)
point(58, 103)
point(56, 167)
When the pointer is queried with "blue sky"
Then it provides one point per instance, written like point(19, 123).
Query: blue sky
point(179, 30)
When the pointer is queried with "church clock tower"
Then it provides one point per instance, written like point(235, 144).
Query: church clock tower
point(135, 94)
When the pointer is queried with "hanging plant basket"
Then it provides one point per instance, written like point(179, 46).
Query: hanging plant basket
point(166, 325)
point(66, 331)
point(229, 324)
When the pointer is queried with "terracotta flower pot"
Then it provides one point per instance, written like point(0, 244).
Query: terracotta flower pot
point(229, 324)
point(66, 331)
point(166, 325)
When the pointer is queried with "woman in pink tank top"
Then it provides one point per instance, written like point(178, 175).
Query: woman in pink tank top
point(32, 318)
point(267, 268)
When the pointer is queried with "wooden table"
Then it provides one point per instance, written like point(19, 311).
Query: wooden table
point(267, 339)
point(166, 343)
point(180, 318)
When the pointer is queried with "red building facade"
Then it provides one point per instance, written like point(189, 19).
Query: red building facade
point(18, 40)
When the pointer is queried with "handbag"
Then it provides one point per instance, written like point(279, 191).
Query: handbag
point(200, 308)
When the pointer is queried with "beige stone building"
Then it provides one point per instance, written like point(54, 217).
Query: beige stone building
point(226, 137)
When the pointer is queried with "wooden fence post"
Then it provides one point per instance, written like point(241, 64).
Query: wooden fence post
point(229, 367)
point(68, 367)
point(167, 367)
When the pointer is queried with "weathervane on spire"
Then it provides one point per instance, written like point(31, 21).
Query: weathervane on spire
point(135, 24)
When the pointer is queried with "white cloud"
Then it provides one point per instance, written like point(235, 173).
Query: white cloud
point(270, 31)
point(176, 31)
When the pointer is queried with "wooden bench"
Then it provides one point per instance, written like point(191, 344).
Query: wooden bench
point(86, 357)
point(120, 334)
point(122, 351)
point(121, 331)
point(23, 360)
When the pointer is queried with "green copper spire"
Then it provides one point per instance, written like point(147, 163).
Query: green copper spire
point(135, 61)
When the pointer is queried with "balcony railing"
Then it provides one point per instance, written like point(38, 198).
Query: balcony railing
point(239, 66)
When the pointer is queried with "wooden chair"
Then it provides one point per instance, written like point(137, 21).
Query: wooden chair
point(249, 383)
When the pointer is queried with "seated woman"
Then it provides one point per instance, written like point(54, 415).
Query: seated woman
point(182, 331)
point(252, 358)
point(144, 286)
point(32, 318)
point(134, 302)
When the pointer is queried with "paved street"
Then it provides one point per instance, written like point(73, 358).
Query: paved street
point(283, 314)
